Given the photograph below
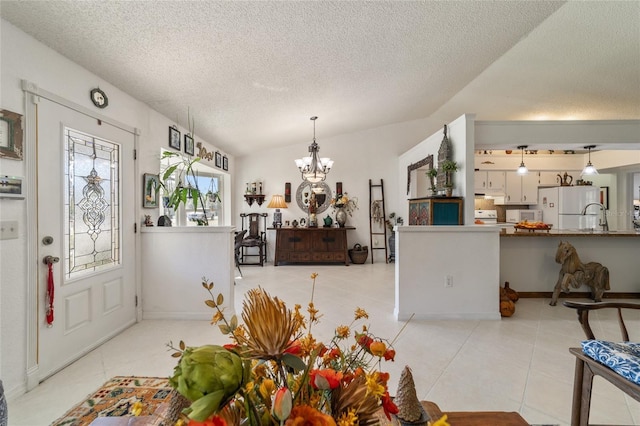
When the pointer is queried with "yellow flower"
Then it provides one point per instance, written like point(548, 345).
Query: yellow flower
point(267, 388)
point(217, 317)
point(313, 313)
point(314, 275)
point(361, 313)
point(442, 421)
point(348, 419)
point(373, 385)
point(136, 409)
point(343, 331)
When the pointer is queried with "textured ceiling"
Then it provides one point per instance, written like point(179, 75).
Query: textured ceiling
point(252, 73)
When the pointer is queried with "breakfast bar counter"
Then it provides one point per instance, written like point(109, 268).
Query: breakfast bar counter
point(512, 232)
point(528, 259)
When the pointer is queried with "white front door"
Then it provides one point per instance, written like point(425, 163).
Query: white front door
point(85, 219)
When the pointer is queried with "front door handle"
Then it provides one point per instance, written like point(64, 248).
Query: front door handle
point(50, 260)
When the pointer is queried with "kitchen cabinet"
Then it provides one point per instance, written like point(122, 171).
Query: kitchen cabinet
point(521, 189)
point(311, 245)
point(435, 211)
point(489, 180)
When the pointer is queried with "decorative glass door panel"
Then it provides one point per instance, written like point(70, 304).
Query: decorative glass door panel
point(92, 200)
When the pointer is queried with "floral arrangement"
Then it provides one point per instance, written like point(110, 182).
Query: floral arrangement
point(342, 201)
point(274, 371)
point(392, 221)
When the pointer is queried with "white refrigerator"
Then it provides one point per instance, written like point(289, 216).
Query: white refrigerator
point(562, 206)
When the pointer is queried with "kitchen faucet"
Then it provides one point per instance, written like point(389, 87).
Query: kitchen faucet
point(604, 223)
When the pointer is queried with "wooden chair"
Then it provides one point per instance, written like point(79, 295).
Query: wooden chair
point(236, 247)
point(256, 238)
point(587, 367)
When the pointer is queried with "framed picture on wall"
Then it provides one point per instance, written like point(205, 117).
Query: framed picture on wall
point(188, 145)
point(174, 137)
point(150, 184)
point(10, 135)
point(225, 163)
point(604, 196)
point(218, 160)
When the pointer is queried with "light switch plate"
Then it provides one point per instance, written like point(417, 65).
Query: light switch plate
point(8, 230)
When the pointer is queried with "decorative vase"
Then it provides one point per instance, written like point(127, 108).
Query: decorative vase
point(449, 191)
point(392, 247)
point(341, 217)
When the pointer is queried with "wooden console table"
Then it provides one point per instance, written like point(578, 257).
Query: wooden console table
point(311, 245)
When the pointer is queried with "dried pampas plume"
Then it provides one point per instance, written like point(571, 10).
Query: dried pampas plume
point(409, 408)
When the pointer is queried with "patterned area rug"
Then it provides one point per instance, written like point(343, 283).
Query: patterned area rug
point(117, 396)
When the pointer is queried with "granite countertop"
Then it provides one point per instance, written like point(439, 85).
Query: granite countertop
point(512, 232)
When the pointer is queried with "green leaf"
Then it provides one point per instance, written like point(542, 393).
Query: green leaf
point(234, 322)
point(220, 300)
point(294, 362)
point(224, 328)
point(210, 303)
point(169, 171)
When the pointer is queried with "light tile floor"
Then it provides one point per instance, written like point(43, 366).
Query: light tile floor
point(519, 364)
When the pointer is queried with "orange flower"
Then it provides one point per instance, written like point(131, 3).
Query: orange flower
point(364, 340)
point(303, 415)
point(388, 406)
point(211, 421)
point(295, 348)
point(389, 354)
point(325, 379)
point(377, 348)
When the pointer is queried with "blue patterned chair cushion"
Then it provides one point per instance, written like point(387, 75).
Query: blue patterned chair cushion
point(623, 358)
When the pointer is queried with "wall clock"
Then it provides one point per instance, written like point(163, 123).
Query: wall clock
point(99, 98)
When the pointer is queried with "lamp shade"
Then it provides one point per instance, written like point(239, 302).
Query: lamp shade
point(277, 202)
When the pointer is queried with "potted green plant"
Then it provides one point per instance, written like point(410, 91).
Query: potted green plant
point(431, 174)
point(173, 181)
point(449, 167)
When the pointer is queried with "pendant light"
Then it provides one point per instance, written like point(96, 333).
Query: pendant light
point(589, 169)
point(313, 168)
point(522, 170)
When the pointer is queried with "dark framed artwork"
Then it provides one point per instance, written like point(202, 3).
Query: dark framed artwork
point(604, 196)
point(10, 135)
point(287, 192)
point(218, 160)
point(225, 163)
point(150, 186)
point(174, 137)
point(188, 145)
point(338, 187)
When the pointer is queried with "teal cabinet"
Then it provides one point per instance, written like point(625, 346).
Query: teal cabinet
point(436, 211)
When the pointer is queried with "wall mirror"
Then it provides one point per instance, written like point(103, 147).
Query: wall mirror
point(412, 170)
point(323, 195)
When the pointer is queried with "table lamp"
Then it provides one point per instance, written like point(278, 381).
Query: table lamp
point(277, 202)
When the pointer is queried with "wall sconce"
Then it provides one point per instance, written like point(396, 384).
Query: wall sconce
point(589, 169)
point(522, 170)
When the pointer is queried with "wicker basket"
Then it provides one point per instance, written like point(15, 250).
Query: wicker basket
point(358, 254)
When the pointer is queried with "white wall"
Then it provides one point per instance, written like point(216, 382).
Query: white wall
point(24, 58)
point(461, 135)
point(370, 154)
point(427, 255)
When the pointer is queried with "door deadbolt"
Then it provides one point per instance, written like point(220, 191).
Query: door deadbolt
point(50, 260)
point(47, 240)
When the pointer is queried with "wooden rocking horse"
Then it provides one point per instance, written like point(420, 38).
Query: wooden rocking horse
point(574, 273)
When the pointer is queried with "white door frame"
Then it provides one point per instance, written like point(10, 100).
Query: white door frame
point(32, 96)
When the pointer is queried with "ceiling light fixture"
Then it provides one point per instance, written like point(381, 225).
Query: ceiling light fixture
point(314, 169)
point(589, 169)
point(522, 170)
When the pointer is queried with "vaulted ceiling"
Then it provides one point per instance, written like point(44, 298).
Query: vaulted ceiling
point(252, 73)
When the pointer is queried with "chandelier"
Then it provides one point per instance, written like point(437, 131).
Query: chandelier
point(589, 169)
point(313, 168)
